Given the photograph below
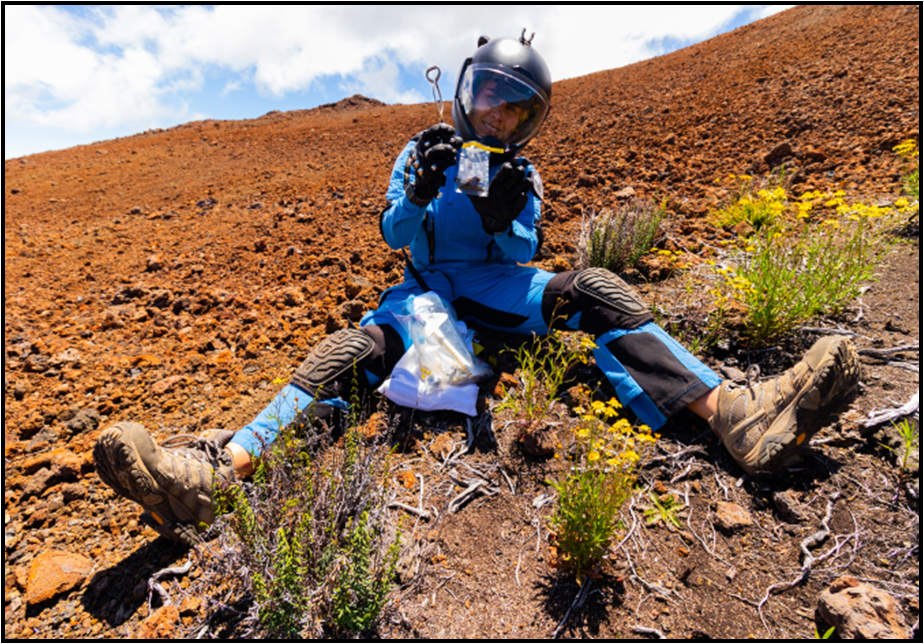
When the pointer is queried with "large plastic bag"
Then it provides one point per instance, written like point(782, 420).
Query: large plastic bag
point(444, 358)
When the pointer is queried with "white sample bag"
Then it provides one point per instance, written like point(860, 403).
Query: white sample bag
point(440, 370)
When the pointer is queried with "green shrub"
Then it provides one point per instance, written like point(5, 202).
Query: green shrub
point(312, 538)
point(801, 267)
point(616, 240)
point(605, 458)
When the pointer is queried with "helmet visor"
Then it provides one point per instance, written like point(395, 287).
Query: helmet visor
point(500, 106)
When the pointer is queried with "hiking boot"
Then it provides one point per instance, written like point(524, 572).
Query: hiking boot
point(766, 426)
point(173, 482)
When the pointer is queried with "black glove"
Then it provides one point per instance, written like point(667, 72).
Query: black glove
point(436, 150)
point(507, 197)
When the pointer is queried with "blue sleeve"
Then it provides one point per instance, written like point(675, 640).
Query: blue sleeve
point(520, 241)
point(402, 219)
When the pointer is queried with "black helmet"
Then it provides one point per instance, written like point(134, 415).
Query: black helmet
point(502, 95)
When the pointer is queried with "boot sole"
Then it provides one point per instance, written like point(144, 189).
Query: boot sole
point(119, 466)
point(832, 382)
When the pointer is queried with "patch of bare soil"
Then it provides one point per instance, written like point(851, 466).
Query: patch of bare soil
point(173, 276)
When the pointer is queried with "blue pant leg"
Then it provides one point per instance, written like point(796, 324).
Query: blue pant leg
point(509, 298)
point(631, 389)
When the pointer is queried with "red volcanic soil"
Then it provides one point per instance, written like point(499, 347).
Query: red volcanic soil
point(172, 276)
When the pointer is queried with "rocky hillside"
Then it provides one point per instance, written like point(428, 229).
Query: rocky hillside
point(170, 277)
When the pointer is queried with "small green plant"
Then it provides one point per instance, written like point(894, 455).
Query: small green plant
point(544, 366)
point(603, 464)
point(911, 156)
point(360, 593)
point(616, 240)
point(827, 634)
point(310, 529)
point(909, 433)
point(663, 511)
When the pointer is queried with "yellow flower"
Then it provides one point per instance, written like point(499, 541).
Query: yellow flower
point(593, 456)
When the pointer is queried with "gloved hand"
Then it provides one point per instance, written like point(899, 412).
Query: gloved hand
point(507, 196)
point(437, 150)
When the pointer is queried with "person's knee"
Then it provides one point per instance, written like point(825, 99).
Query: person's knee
point(604, 301)
point(346, 359)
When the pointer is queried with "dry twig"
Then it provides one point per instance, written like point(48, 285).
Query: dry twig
point(809, 542)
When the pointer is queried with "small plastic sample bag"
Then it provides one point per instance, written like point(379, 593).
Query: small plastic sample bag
point(440, 370)
point(444, 357)
point(473, 177)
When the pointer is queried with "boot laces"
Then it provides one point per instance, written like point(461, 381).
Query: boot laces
point(752, 376)
point(196, 445)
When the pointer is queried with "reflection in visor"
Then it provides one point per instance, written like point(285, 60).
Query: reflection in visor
point(501, 107)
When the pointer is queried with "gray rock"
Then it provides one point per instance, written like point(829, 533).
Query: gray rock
point(86, 420)
point(38, 483)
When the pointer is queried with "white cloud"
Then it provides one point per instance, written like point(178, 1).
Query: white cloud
point(141, 65)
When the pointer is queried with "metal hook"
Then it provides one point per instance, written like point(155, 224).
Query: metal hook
point(437, 94)
point(523, 41)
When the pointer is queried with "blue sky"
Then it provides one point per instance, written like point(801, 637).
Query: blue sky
point(80, 74)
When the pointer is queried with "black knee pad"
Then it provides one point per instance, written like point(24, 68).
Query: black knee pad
point(604, 301)
point(340, 362)
point(328, 371)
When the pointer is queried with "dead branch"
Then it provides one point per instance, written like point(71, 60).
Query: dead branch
point(809, 542)
point(880, 416)
point(879, 353)
point(395, 505)
point(907, 366)
point(641, 630)
point(153, 586)
point(828, 331)
point(577, 603)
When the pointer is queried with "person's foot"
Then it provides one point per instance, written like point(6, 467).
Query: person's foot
point(766, 426)
point(173, 482)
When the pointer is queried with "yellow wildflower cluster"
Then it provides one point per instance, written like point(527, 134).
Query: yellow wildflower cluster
point(731, 286)
point(836, 204)
point(604, 438)
point(907, 149)
point(756, 207)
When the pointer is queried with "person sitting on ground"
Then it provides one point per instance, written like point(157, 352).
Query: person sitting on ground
point(472, 251)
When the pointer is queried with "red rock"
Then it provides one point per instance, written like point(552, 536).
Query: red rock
point(161, 625)
point(859, 612)
point(53, 573)
point(66, 465)
point(626, 193)
point(730, 517)
point(162, 386)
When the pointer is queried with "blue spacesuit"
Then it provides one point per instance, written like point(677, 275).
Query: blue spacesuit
point(482, 275)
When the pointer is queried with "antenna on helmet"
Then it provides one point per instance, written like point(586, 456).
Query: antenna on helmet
point(523, 41)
